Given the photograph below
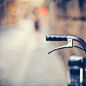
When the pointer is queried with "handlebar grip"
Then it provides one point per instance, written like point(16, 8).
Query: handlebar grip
point(56, 38)
point(74, 71)
point(73, 63)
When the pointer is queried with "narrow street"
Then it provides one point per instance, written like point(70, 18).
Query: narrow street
point(24, 59)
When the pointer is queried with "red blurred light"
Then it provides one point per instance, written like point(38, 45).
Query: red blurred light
point(43, 11)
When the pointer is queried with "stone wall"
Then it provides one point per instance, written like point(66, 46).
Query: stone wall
point(70, 19)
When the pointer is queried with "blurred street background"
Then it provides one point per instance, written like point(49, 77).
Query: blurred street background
point(24, 59)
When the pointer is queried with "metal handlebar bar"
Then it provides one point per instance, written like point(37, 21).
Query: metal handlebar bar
point(70, 40)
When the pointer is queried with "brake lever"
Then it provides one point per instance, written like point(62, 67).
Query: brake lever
point(69, 45)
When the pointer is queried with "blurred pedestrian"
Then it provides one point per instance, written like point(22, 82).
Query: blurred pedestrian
point(37, 28)
point(37, 21)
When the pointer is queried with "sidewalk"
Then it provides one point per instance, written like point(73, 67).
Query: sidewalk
point(24, 60)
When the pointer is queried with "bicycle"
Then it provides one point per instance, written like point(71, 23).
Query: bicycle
point(76, 75)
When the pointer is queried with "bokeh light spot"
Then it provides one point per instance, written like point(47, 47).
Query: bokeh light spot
point(13, 17)
point(13, 7)
point(43, 11)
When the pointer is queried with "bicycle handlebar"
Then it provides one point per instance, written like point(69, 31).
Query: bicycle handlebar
point(81, 63)
point(63, 38)
point(66, 38)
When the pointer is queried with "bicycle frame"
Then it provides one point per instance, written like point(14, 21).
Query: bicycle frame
point(81, 63)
